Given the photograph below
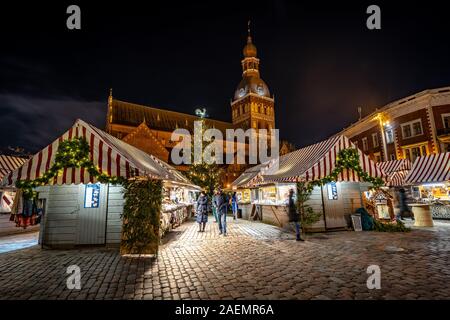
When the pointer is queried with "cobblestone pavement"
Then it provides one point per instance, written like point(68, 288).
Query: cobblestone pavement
point(256, 261)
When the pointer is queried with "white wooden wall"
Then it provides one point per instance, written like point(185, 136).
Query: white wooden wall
point(60, 225)
point(114, 221)
point(351, 192)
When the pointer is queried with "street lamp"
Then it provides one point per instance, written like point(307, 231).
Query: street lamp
point(383, 121)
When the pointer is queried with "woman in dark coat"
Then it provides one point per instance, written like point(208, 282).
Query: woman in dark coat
point(202, 211)
point(294, 217)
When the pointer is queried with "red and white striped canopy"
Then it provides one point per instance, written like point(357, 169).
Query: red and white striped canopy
point(394, 165)
point(9, 164)
point(396, 171)
point(430, 169)
point(109, 154)
point(318, 161)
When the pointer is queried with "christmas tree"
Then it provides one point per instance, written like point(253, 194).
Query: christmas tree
point(203, 173)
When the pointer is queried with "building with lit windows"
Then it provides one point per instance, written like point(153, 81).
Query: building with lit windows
point(405, 129)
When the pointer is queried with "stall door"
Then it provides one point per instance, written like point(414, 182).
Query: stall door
point(333, 201)
point(92, 214)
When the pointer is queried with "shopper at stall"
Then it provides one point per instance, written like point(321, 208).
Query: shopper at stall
point(214, 207)
point(234, 205)
point(202, 211)
point(221, 203)
point(294, 217)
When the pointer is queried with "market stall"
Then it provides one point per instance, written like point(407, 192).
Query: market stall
point(339, 171)
point(83, 202)
point(243, 191)
point(7, 195)
point(385, 204)
point(429, 179)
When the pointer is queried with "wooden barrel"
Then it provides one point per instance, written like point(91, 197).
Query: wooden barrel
point(422, 215)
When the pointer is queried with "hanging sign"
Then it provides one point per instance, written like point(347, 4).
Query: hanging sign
point(92, 196)
point(332, 191)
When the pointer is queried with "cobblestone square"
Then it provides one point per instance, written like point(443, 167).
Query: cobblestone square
point(255, 261)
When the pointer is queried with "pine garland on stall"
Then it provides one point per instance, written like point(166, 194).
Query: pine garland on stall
point(72, 153)
point(347, 159)
point(141, 216)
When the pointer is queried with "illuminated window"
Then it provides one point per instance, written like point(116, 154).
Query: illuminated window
point(365, 144)
point(389, 136)
point(375, 140)
point(413, 153)
point(446, 120)
point(412, 129)
point(377, 157)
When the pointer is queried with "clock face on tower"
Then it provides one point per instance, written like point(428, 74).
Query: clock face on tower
point(260, 90)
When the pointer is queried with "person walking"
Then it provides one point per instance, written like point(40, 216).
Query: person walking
point(294, 217)
point(234, 205)
point(214, 207)
point(403, 207)
point(202, 211)
point(222, 207)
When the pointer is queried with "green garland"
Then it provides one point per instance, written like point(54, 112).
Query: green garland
point(347, 159)
point(141, 216)
point(72, 153)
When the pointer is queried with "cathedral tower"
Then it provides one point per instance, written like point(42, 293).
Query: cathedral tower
point(252, 106)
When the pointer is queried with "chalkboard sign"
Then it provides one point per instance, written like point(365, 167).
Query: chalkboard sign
point(92, 196)
point(356, 222)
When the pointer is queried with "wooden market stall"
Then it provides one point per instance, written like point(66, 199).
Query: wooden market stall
point(384, 202)
point(335, 200)
point(80, 210)
point(242, 186)
point(7, 195)
point(429, 179)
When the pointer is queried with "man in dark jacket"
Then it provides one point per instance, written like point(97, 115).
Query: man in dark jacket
point(221, 203)
point(294, 217)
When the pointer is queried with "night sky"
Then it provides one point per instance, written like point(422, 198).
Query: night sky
point(319, 60)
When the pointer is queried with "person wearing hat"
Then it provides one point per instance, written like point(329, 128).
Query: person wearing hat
point(294, 217)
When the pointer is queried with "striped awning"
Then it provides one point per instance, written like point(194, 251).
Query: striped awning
point(111, 155)
point(394, 165)
point(430, 169)
point(9, 164)
point(396, 171)
point(318, 161)
point(397, 179)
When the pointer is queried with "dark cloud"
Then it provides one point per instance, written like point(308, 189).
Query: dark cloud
point(33, 123)
point(318, 59)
